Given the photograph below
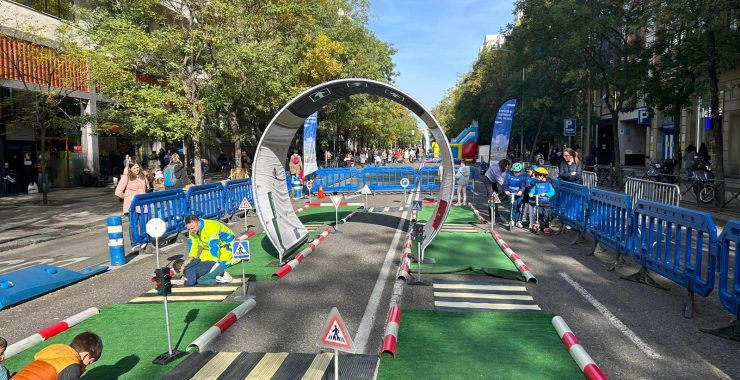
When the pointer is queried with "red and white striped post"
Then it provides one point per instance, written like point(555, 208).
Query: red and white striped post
point(518, 262)
point(391, 331)
point(49, 332)
point(302, 208)
point(216, 330)
point(477, 213)
point(576, 351)
point(404, 269)
point(285, 269)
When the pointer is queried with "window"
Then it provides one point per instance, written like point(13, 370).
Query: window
point(57, 8)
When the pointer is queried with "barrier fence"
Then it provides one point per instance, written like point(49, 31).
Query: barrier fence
point(234, 192)
point(653, 191)
point(609, 221)
point(388, 178)
point(168, 205)
point(337, 179)
point(590, 179)
point(552, 171)
point(571, 206)
point(206, 201)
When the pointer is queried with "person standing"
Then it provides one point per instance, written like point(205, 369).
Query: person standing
point(175, 174)
point(687, 161)
point(571, 169)
point(133, 181)
point(514, 185)
point(462, 178)
point(295, 164)
point(703, 154)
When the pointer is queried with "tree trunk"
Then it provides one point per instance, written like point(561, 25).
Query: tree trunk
point(197, 168)
point(719, 159)
point(616, 150)
point(234, 124)
point(536, 137)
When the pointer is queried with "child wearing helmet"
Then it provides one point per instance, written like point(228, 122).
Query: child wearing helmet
point(514, 184)
point(543, 190)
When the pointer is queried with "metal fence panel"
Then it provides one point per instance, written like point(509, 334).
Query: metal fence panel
point(552, 171)
point(168, 205)
point(388, 178)
point(590, 179)
point(671, 241)
point(206, 201)
point(729, 282)
point(653, 191)
point(609, 220)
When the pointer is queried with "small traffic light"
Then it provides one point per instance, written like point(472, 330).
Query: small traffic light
point(162, 279)
point(418, 232)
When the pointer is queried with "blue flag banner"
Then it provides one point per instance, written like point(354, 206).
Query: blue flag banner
point(309, 144)
point(502, 132)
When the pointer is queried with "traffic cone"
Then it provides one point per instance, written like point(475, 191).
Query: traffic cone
point(321, 193)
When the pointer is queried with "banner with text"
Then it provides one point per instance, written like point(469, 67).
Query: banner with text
point(502, 132)
point(309, 144)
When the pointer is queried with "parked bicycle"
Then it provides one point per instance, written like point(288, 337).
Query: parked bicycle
point(702, 182)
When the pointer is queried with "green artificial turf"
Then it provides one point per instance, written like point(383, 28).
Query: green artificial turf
point(457, 214)
point(262, 253)
point(501, 345)
point(464, 252)
point(134, 335)
point(324, 214)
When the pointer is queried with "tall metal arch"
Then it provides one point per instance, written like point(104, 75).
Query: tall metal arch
point(271, 196)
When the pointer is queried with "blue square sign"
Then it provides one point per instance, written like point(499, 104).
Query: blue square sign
point(569, 128)
point(240, 249)
point(416, 205)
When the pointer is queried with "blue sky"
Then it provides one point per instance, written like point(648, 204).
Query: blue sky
point(437, 40)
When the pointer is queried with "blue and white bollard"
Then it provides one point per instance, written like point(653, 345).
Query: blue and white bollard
point(115, 241)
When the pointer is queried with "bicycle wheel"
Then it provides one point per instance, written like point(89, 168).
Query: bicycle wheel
point(707, 193)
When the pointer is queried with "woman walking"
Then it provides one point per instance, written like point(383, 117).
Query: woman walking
point(133, 181)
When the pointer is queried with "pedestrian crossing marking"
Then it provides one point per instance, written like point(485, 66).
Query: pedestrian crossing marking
point(282, 365)
point(267, 367)
point(188, 298)
point(216, 292)
point(482, 296)
point(216, 366)
point(318, 366)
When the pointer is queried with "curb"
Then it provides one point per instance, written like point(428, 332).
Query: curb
point(391, 331)
point(576, 351)
point(222, 325)
point(285, 269)
point(49, 332)
point(518, 262)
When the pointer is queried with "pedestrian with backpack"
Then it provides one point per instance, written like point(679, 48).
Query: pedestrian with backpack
point(175, 174)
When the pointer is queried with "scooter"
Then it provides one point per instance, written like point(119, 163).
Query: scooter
point(703, 186)
point(662, 171)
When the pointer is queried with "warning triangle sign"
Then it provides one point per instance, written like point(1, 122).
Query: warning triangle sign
point(245, 204)
point(336, 200)
point(366, 190)
point(335, 334)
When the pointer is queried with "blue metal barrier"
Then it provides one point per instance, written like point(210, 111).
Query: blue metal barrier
point(388, 178)
point(206, 201)
point(337, 179)
point(571, 206)
point(610, 221)
point(671, 241)
point(428, 178)
point(729, 280)
point(234, 192)
point(168, 205)
point(729, 293)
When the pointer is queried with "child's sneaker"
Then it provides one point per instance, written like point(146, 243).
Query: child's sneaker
point(547, 230)
point(535, 228)
point(519, 224)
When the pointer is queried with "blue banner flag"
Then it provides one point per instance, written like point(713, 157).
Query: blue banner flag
point(309, 144)
point(502, 132)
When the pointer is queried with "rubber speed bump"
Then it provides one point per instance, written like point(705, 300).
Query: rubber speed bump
point(197, 293)
point(482, 296)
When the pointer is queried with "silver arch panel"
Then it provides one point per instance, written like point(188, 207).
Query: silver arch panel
point(271, 197)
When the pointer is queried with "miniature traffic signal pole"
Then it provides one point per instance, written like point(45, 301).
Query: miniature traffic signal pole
point(162, 279)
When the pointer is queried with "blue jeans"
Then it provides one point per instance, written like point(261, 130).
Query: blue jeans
point(516, 212)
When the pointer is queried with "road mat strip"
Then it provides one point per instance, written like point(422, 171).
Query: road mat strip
point(464, 296)
point(457, 215)
point(275, 366)
point(198, 293)
point(461, 228)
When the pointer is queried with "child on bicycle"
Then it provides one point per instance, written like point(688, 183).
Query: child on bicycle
point(540, 201)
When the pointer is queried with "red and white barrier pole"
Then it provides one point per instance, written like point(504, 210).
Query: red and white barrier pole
point(302, 208)
point(285, 269)
point(221, 326)
point(518, 262)
point(49, 332)
point(576, 351)
point(391, 331)
point(404, 269)
point(414, 215)
point(477, 213)
point(247, 235)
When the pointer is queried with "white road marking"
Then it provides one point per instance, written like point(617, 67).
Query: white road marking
point(71, 261)
point(368, 318)
point(25, 263)
point(649, 351)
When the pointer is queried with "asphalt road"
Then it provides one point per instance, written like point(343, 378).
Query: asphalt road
point(631, 330)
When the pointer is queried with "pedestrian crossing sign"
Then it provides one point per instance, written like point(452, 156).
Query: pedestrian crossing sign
point(240, 249)
point(245, 204)
point(416, 206)
point(335, 335)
